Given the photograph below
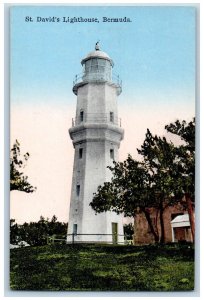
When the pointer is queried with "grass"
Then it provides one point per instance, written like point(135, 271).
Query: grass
point(102, 268)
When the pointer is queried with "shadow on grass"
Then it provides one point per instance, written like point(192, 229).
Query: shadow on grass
point(86, 267)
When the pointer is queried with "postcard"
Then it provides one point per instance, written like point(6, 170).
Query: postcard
point(102, 147)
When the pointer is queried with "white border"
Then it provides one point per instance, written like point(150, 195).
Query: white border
point(1, 147)
point(3, 155)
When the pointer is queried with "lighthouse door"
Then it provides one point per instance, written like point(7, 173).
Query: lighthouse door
point(115, 233)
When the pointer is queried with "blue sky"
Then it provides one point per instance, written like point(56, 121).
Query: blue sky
point(154, 54)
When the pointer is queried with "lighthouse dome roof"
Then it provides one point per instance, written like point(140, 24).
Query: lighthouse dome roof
point(97, 54)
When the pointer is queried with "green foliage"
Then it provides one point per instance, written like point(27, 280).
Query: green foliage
point(103, 268)
point(185, 162)
point(35, 233)
point(13, 232)
point(160, 180)
point(159, 157)
point(186, 131)
point(18, 181)
point(129, 189)
point(128, 230)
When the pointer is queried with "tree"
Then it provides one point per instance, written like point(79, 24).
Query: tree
point(159, 181)
point(18, 181)
point(129, 192)
point(142, 185)
point(128, 230)
point(186, 165)
point(35, 233)
point(159, 156)
point(13, 232)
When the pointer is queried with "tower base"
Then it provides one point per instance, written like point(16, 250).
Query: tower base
point(95, 238)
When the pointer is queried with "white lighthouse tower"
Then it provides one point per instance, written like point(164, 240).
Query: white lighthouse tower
point(96, 136)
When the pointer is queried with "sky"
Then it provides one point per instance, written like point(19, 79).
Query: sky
point(154, 55)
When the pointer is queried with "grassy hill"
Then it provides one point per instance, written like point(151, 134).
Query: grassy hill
point(102, 268)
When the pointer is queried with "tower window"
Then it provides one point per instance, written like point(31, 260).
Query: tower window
point(80, 152)
point(78, 190)
point(112, 153)
point(111, 116)
point(74, 228)
point(81, 116)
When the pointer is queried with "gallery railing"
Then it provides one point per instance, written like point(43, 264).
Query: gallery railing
point(97, 77)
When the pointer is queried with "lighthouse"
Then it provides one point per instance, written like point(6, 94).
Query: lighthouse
point(96, 134)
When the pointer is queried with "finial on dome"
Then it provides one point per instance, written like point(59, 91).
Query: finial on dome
point(97, 48)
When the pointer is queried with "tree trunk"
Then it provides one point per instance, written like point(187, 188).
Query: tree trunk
point(191, 214)
point(162, 238)
point(155, 234)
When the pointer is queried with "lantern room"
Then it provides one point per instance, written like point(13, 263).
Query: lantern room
point(97, 67)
